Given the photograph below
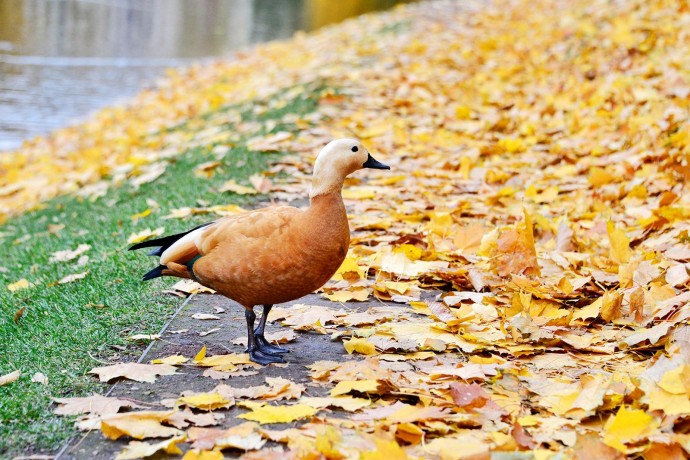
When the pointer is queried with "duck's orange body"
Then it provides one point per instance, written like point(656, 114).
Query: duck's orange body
point(271, 255)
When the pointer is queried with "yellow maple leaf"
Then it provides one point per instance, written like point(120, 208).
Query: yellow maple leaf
point(349, 270)
point(670, 403)
point(619, 251)
point(359, 345)
point(144, 235)
point(411, 251)
point(205, 401)
point(600, 176)
point(675, 380)
point(386, 449)
point(138, 425)
point(628, 425)
point(196, 454)
point(511, 145)
point(171, 360)
point(399, 264)
point(348, 295)
point(201, 355)
point(611, 306)
point(221, 362)
point(590, 311)
point(278, 414)
point(363, 386)
point(326, 440)
point(450, 448)
point(138, 449)
point(516, 252)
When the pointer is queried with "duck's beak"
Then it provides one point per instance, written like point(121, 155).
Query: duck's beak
point(374, 164)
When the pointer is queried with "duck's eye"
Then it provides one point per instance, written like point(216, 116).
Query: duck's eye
point(354, 149)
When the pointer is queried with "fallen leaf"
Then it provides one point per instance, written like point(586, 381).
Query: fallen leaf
point(626, 426)
point(620, 244)
point(362, 386)
point(39, 377)
point(9, 378)
point(278, 337)
point(347, 403)
point(133, 371)
point(67, 255)
point(196, 454)
point(348, 295)
point(182, 419)
point(171, 360)
point(138, 449)
point(206, 401)
point(94, 404)
point(21, 284)
point(360, 346)
point(144, 235)
point(73, 277)
point(204, 316)
point(138, 425)
point(210, 331)
point(191, 287)
point(234, 187)
point(136, 337)
point(18, 315)
point(276, 388)
point(264, 413)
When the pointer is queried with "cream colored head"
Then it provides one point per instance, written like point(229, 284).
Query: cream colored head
point(336, 161)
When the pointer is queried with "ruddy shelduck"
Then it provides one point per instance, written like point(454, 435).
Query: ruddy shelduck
point(270, 255)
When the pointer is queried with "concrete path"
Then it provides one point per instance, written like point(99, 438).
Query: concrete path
point(305, 350)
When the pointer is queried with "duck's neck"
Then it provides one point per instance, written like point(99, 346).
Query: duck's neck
point(327, 227)
point(327, 202)
point(325, 184)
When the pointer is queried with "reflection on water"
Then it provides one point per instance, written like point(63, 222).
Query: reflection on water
point(61, 59)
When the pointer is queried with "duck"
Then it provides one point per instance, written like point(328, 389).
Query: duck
point(270, 255)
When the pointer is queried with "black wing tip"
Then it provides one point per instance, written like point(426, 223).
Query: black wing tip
point(138, 246)
point(155, 273)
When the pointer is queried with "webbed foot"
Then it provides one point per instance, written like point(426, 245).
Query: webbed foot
point(260, 357)
point(267, 347)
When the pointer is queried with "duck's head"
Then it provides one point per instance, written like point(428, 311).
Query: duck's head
point(337, 160)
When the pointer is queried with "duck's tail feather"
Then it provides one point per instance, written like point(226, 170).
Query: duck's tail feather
point(155, 273)
point(161, 244)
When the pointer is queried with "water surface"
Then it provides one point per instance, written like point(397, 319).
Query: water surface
point(62, 59)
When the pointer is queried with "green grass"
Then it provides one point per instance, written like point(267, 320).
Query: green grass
point(68, 329)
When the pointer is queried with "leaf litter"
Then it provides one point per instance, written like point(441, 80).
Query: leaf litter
point(534, 227)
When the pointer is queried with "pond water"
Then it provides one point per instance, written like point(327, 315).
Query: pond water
point(62, 59)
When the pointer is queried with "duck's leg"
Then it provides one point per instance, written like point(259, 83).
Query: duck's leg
point(264, 345)
point(255, 353)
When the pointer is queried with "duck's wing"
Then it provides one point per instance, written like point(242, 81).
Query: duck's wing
point(259, 225)
point(179, 252)
point(161, 244)
point(179, 245)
